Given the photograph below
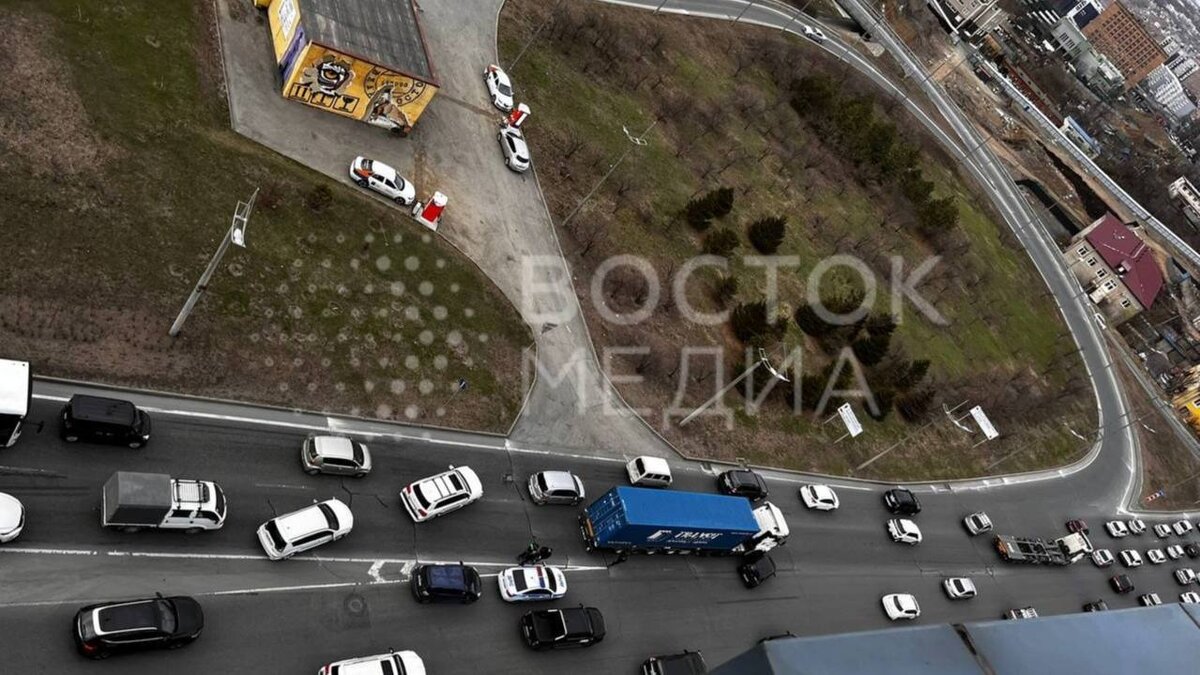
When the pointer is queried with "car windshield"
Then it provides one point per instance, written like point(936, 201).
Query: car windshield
point(359, 458)
point(420, 495)
point(277, 541)
point(166, 615)
point(330, 516)
point(896, 602)
point(541, 483)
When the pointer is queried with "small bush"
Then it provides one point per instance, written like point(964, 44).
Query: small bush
point(721, 242)
point(726, 289)
point(753, 324)
point(766, 234)
point(319, 198)
point(700, 211)
point(914, 406)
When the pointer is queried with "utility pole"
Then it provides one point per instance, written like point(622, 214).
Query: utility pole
point(636, 141)
point(762, 361)
point(236, 235)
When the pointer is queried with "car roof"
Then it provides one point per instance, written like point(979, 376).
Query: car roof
point(10, 511)
point(559, 480)
point(136, 615)
point(460, 479)
point(655, 464)
point(335, 447)
point(537, 576)
point(382, 170)
point(454, 576)
point(311, 519)
point(99, 409)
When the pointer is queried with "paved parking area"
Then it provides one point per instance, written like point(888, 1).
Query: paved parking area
point(495, 217)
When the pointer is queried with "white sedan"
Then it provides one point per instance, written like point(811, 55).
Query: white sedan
point(1137, 525)
point(499, 87)
point(12, 517)
point(444, 493)
point(1174, 551)
point(1190, 598)
point(977, 523)
point(1156, 556)
point(1185, 575)
point(405, 662)
point(1182, 527)
point(901, 606)
point(375, 175)
point(813, 33)
point(1102, 557)
point(1131, 558)
point(959, 588)
point(819, 497)
point(536, 582)
point(904, 531)
point(1116, 529)
point(1162, 530)
point(516, 152)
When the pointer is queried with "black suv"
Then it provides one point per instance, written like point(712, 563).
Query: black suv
point(686, 663)
point(901, 501)
point(101, 630)
point(742, 483)
point(756, 568)
point(446, 583)
point(1192, 550)
point(562, 628)
point(1096, 606)
point(104, 420)
point(1121, 584)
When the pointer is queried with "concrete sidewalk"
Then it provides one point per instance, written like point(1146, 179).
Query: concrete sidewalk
point(496, 217)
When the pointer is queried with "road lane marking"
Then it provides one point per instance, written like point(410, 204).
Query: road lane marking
point(283, 486)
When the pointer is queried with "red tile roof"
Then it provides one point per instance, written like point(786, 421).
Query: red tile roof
point(1128, 256)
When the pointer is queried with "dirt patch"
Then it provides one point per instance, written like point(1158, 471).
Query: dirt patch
point(43, 121)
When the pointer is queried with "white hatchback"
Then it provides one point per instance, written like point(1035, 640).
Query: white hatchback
point(444, 493)
point(904, 531)
point(375, 175)
point(306, 529)
point(12, 517)
point(1117, 529)
point(1131, 558)
point(1162, 530)
point(1174, 551)
point(959, 588)
point(819, 497)
point(647, 471)
point(1156, 556)
point(1137, 525)
point(901, 606)
point(1185, 575)
point(1182, 527)
point(1102, 557)
point(1190, 598)
point(403, 663)
point(536, 582)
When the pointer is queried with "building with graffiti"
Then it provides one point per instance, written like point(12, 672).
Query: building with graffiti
point(364, 59)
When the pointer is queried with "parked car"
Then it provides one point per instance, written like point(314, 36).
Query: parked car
point(904, 531)
point(647, 471)
point(1174, 551)
point(1121, 583)
point(391, 663)
point(12, 517)
point(1102, 557)
point(443, 493)
point(1021, 613)
point(1131, 558)
point(303, 530)
point(1192, 550)
point(1149, 599)
point(977, 523)
point(1077, 525)
point(901, 501)
point(1162, 530)
point(756, 569)
point(1182, 527)
point(514, 148)
point(742, 483)
point(335, 455)
point(556, 487)
point(499, 87)
point(446, 583)
point(1189, 598)
point(684, 663)
point(104, 420)
point(819, 497)
point(901, 606)
point(530, 583)
point(375, 175)
point(1096, 606)
point(959, 588)
point(562, 628)
point(1117, 529)
point(1185, 576)
point(1136, 525)
point(153, 623)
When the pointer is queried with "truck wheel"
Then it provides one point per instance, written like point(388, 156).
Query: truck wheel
point(131, 528)
point(136, 444)
point(71, 438)
point(312, 472)
point(194, 530)
point(360, 474)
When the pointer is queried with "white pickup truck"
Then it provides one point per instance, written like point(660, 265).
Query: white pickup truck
point(135, 501)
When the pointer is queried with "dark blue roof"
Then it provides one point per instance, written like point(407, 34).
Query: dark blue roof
point(644, 506)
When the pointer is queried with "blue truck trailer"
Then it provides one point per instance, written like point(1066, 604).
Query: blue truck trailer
point(641, 520)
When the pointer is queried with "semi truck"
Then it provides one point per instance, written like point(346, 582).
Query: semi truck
point(1031, 551)
point(133, 501)
point(16, 392)
point(642, 520)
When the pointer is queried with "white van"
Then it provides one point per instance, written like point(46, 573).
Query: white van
point(648, 471)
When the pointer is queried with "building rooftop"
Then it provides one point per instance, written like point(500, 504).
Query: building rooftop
point(1127, 255)
point(384, 32)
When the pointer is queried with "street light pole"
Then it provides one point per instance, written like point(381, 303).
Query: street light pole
point(235, 235)
point(762, 361)
point(636, 141)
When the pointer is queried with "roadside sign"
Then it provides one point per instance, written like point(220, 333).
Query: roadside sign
point(850, 420)
point(985, 425)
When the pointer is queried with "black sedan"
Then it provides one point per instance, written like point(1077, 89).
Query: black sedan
point(756, 569)
point(901, 501)
point(742, 483)
point(562, 628)
point(154, 623)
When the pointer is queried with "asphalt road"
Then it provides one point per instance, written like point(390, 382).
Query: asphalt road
point(350, 598)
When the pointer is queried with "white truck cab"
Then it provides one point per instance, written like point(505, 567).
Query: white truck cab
point(16, 390)
point(772, 528)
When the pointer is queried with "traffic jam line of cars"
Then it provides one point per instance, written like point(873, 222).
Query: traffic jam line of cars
point(642, 517)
